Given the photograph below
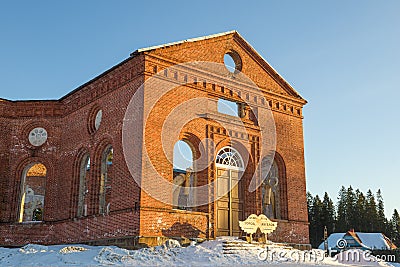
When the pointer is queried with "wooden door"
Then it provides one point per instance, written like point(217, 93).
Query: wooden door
point(230, 206)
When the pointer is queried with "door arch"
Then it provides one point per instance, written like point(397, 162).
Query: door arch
point(229, 204)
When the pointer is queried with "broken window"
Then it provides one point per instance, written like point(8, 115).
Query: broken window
point(228, 107)
point(83, 174)
point(105, 180)
point(33, 189)
point(183, 176)
point(270, 191)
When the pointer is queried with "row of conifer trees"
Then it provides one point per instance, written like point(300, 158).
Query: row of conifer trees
point(353, 210)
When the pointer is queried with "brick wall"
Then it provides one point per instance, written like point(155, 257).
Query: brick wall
point(132, 211)
point(66, 123)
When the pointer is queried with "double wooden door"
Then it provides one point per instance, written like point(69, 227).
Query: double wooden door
point(229, 206)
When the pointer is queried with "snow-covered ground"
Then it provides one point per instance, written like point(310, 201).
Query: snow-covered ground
point(209, 253)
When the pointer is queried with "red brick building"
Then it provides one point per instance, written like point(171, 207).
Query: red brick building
point(65, 178)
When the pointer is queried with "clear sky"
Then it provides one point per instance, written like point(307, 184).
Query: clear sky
point(342, 56)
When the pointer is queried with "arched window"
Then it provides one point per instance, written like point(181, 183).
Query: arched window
point(271, 191)
point(184, 176)
point(105, 180)
point(33, 190)
point(83, 174)
point(228, 157)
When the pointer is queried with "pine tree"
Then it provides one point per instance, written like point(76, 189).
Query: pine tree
point(350, 207)
point(311, 217)
point(328, 213)
point(395, 228)
point(310, 199)
point(381, 220)
point(316, 227)
point(341, 222)
point(371, 213)
point(359, 212)
point(364, 213)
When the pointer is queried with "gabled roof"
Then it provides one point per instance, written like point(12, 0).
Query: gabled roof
point(354, 235)
point(268, 68)
point(191, 40)
point(265, 65)
point(368, 240)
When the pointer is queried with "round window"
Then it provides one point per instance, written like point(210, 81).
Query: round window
point(38, 136)
point(233, 62)
point(229, 63)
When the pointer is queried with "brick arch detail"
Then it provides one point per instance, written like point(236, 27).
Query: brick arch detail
point(96, 164)
point(21, 167)
point(245, 153)
point(27, 127)
point(91, 116)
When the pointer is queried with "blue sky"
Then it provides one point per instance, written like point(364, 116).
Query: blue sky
point(342, 56)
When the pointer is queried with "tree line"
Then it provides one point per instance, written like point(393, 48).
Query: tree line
point(353, 210)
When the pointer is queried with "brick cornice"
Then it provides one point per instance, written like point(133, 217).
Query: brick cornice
point(164, 63)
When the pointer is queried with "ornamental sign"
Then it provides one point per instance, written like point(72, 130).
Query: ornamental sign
point(253, 222)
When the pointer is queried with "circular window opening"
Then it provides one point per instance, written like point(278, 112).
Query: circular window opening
point(233, 62)
point(229, 63)
point(37, 136)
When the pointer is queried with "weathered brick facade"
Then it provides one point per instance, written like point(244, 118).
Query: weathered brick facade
point(132, 214)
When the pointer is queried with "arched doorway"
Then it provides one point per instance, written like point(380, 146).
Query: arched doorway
point(33, 190)
point(229, 204)
point(274, 188)
point(271, 193)
point(183, 176)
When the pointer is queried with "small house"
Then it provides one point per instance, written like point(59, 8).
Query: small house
point(358, 240)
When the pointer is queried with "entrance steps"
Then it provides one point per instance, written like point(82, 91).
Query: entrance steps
point(234, 245)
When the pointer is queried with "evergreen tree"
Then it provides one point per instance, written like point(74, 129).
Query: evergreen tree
point(395, 228)
point(359, 212)
point(341, 222)
point(316, 227)
point(350, 208)
point(310, 199)
point(311, 217)
point(328, 213)
point(371, 213)
point(381, 219)
point(364, 213)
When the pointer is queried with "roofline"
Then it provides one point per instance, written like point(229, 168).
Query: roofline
point(286, 83)
point(270, 66)
point(146, 49)
point(76, 89)
point(28, 100)
point(96, 78)
point(191, 40)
